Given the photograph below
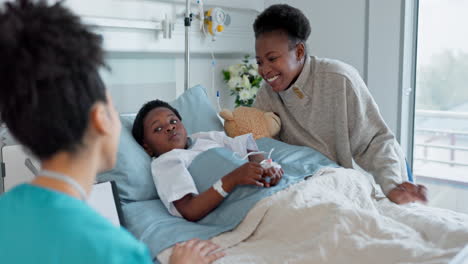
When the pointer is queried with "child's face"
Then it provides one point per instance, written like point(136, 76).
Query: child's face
point(163, 132)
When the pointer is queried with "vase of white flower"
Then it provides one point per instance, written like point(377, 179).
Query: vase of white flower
point(243, 81)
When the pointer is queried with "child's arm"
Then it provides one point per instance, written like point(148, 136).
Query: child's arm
point(194, 207)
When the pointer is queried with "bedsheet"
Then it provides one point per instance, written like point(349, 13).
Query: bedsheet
point(340, 216)
point(151, 223)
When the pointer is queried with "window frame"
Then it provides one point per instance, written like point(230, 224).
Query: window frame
point(408, 78)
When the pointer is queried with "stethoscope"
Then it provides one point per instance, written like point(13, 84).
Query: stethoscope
point(64, 178)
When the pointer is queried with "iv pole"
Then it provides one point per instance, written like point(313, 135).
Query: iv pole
point(187, 22)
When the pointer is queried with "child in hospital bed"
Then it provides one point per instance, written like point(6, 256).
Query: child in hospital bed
point(158, 128)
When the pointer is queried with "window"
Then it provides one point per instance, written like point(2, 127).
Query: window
point(440, 145)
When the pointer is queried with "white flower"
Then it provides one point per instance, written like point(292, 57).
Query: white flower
point(239, 81)
point(246, 82)
point(255, 66)
point(234, 82)
point(235, 70)
point(245, 95)
point(253, 72)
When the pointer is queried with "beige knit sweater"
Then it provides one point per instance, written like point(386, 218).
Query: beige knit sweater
point(330, 109)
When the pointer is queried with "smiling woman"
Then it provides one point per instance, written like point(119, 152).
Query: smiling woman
point(325, 104)
point(280, 45)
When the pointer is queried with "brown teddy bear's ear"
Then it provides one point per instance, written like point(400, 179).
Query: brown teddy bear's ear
point(226, 114)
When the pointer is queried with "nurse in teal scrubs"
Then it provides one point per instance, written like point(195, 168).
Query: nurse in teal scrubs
point(54, 103)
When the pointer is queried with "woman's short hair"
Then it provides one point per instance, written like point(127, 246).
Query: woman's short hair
point(138, 125)
point(285, 18)
point(49, 76)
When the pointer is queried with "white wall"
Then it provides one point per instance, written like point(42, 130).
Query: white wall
point(338, 29)
point(201, 73)
point(135, 53)
point(384, 65)
point(365, 34)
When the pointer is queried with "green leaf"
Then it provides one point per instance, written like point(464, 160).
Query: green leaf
point(256, 82)
point(227, 75)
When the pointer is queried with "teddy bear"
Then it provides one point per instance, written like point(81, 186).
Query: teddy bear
point(244, 120)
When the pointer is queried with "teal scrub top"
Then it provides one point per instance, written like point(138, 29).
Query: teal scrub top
point(39, 225)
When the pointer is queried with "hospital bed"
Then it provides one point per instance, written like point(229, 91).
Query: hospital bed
point(320, 213)
point(333, 216)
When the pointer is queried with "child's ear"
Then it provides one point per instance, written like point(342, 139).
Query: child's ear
point(148, 150)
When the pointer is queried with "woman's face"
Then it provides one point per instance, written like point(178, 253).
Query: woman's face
point(278, 64)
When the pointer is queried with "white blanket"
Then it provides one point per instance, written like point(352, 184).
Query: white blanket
point(340, 216)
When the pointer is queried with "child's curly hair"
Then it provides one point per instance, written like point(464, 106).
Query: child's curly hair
point(49, 75)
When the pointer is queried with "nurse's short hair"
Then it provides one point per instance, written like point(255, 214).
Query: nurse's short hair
point(138, 125)
point(283, 17)
point(49, 76)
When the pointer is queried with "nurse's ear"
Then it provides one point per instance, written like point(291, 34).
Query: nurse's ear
point(300, 51)
point(100, 119)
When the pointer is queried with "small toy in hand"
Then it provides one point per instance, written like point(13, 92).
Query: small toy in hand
point(269, 163)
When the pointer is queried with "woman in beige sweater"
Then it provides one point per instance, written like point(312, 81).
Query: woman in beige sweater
point(324, 104)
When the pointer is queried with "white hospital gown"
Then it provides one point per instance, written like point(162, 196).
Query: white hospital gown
point(170, 170)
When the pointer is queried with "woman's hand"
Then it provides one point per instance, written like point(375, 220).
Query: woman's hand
point(195, 251)
point(408, 192)
point(275, 175)
point(249, 173)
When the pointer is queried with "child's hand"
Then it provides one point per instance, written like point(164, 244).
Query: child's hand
point(248, 174)
point(275, 175)
point(195, 252)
